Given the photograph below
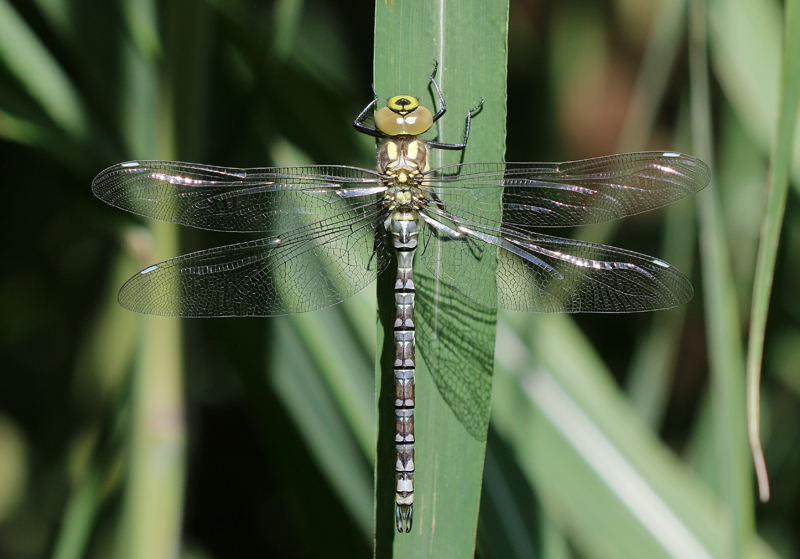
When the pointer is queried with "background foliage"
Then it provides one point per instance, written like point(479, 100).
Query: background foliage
point(609, 437)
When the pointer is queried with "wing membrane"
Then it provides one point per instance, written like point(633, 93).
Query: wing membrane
point(514, 270)
point(569, 194)
point(239, 200)
point(460, 363)
point(305, 270)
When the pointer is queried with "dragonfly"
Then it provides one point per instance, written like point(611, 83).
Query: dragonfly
point(335, 228)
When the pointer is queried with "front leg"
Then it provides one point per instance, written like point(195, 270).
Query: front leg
point(358, 123)
point(462, 145)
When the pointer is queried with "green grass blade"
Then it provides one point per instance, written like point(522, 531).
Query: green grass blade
point(154, 491)
point(745, 36)
point(603, 477)
point(140, 15)
point(778, 183)
point(79, 517)
point(174, 85)
point(327, 335)
point(469, 41)
point(156, 472)
point(726, 358)
point(653, 363)
point(653, 78)
point(320, 407)
point(509, 514)
point(102, 375)
point(287, 15)
point(38, 71)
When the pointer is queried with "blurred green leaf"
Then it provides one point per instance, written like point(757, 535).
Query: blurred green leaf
point(40, 73)
point(331, 426)
point(745, 40)
point(726, 358)
point(604, 478)
point(780, 166)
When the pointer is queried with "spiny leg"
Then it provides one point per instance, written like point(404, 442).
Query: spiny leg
point(472, 112)
point(358, 123)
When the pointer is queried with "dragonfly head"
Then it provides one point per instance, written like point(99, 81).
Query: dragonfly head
point(403, 115)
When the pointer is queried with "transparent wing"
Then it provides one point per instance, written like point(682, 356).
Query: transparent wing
point(240, 200)
point(514, 270)
point(460, 364)
point(304, 270)
point(568, 194)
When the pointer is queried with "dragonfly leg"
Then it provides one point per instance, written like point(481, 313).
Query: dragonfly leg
point(358, 123)
point(442, 105)
point(472, 112)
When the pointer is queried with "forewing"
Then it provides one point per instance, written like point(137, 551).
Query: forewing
point(568, 194)
point(511, 269)
point(241, 200)
point(304, 270)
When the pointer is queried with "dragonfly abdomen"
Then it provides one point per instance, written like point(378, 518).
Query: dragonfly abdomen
point(404, 229)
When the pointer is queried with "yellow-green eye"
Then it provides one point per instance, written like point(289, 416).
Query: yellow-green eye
point(413, 123)
point(389, 122)
point(418, 122)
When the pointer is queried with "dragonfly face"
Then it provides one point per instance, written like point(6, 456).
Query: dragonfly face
point(339, 226)
point(403, 115)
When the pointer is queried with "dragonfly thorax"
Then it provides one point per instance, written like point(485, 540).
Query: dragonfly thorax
point(402, 162)
point(403, 159)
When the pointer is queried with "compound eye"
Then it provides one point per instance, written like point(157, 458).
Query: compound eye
point(418, 122)
point(414, 123)
point(389, 122)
